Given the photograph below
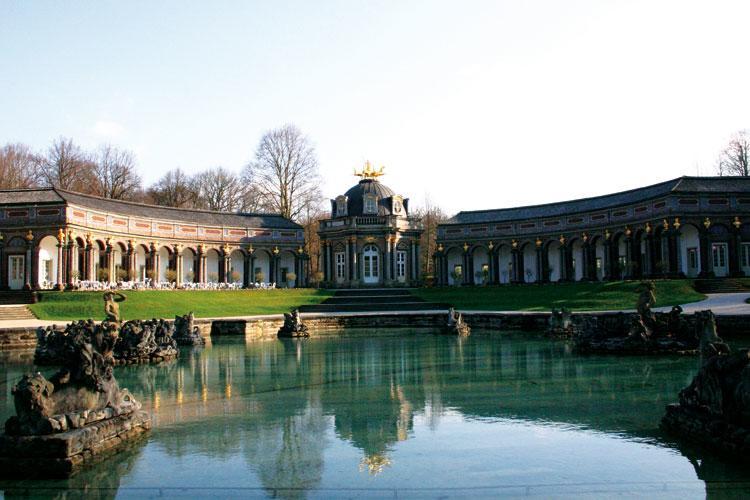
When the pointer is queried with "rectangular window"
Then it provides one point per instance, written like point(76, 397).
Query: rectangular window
point(598, 263)
point(692, 258)
point(284, 270)
point(719, 252)
point(340, 265)
point(746, 255)
point(370, 206)
point(367, 266)
point(400, 264)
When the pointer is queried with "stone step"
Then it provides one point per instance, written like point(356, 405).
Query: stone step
point(404, 306)
point(373, 292)
point(376, 299)
point(10, 313)
point(720, 285)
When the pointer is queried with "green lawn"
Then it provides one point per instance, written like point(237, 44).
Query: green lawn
point(167, 304)
point(576, 296)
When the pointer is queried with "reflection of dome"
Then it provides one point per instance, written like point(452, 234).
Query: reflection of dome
point(355, 197)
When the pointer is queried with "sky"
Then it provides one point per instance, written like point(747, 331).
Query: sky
point(472, 105)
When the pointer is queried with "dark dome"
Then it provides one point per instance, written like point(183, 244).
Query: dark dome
point(356, 194)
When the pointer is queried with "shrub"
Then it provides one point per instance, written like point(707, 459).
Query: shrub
point(171, 275)
point(260, 277)
point(102, 274)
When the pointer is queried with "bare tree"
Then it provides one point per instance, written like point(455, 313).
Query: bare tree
point(220, 189)
point(175, 189)
point(431, 216)
point(735, 159)
point(17, 166)
point(65, 166)
point(115, 174)
point(286, 171)
point(254, 200)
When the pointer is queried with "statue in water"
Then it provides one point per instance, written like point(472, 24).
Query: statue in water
point(455, 324)
point(112, 307)
point(293, 326)
point(646, 300)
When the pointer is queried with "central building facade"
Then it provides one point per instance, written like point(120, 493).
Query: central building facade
point(370, 240)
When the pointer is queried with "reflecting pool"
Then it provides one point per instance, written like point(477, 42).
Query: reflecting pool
point(372, 414)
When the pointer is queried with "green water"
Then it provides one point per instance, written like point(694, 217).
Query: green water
point(374, 414)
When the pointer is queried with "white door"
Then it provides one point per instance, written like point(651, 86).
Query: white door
point(719, 255)
point(370, 264)
point(16, 265)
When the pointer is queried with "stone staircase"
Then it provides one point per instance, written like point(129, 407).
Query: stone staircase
point(373, 300)
point(13, 313)
point(720, 285)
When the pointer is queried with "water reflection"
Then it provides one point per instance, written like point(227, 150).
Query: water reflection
point(290, 411)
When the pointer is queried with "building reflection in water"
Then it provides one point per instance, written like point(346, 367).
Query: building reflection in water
point(277, 403)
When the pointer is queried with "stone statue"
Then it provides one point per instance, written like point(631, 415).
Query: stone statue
point(79, 412)
point(112, 307)
point(560, 323)
point(455, 324)
point(715, 408)
point(675, 322)
point(83, 391)
point(646, 300)
point(185, 331)
point(293, 326)
point(710, 344)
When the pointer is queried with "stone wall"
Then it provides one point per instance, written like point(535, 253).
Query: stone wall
point(266, 327)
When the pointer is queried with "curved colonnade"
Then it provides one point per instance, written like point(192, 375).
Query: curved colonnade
point(659, 231)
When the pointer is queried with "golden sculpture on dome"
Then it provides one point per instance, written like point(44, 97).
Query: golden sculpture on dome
point(369, 172)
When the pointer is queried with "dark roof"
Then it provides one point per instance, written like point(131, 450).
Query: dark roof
point(355, 196)
point(185, 215)
point(683, 185)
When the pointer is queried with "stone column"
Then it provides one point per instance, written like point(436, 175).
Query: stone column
point(199, 256)
point(72, 260)
point(585, 257)
point(130, 268)
point(415, 259)
point(178, 264)
point(628, 271)
point(648, 261)
point(466, 278)
point(3, 265)
point(110, 257)
point(247, 270)
point(541, 261)
point(154, 263)
point(355, 259)
point(28, 272)
point(735, 249)
point(225, 265)
point(252, 267)
point(564, 275)
point(704, 243)
point(60, 283)
point(674, 252)
point(607, 266)
point(514, 262)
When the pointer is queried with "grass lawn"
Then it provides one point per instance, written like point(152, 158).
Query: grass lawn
point(576, 296)
point(166, 304)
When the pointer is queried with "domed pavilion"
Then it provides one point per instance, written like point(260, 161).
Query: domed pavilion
point(370, 239)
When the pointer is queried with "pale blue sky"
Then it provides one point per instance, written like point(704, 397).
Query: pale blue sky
point(479, 104)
